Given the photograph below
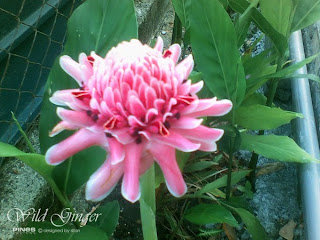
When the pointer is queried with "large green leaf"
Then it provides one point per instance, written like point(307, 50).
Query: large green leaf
point(278, 13)
point(260, 117)
point(222, 181)
point(210, 213)
point(33, 160)
point(280, 148)
point(182, 8)
point(279, 40)
point(214, 45)
point(253, 225)
point(305, 13)
point(108, 220)
point(97, 25)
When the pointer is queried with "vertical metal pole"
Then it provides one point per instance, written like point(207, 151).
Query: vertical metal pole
point(307, 139)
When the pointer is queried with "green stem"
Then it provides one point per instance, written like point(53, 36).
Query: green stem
point(148, 205)
point(229, 177)
point(62, 198)
point(23, 134)
point(67, 175)
point(177, 31)
point(270, 97)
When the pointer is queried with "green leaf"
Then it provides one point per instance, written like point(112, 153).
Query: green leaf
point(306, 12)
point(182, 8)
point(108, 220)
point(280, 41)
point(287, 72)
point(210, 213)
point(222, 181)
point(219, 60)
point(255, 98)
point(89, 29)
point(260, 117)
point(36, 161)
point(280, 148)
point(278, 13)
point(77, 176)
point(198, 166)
point(253, 225)
point(241, 26)
point(253, 65)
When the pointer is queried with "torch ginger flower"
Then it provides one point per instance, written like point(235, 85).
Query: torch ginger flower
point(139, 106)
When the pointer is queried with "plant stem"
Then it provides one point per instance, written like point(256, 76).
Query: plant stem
point(270, 97)
point(177, 31)
point(229, 178)
point(23, 134)
point(148, 205)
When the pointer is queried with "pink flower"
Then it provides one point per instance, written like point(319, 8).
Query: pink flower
point(138, 105)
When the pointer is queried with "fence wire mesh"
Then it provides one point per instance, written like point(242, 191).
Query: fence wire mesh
point(32, 35)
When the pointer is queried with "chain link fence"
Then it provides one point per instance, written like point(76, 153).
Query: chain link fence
point(32, 35)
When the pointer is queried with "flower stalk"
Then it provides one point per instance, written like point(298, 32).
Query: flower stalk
point(148, 205)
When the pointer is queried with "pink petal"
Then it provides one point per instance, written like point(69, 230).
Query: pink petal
point(209, 146)
point(184, 68)
point(214, 108)
point(130, 183)
point(177, 141)
point(77, 142)
point(186, 123)
point(62, 97)
point(159, 45)
point(201, 133)
point(103, 181)
point(72, 68)
point(136, 107)
point(116, 151)
point(195, 88)
point(166, 158)
point(62, 126)
point(122, 135)
point(175, 50)
point(77, 118)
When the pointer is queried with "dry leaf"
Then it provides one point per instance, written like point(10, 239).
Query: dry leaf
point(270, 168)
point(230, 231)
point(287, 231)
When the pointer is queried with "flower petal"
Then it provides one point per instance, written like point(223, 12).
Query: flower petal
point(184, 68)
point(77, 118)
point(77, 142)
point(62, 97)
point(216, 108)
point(176, 140)
point(196, 87)
point(72, 68)
point(116, 151)
point(186, 123)
point(159, 44)
point(166, 158)
point(63, 125)
point(201, 133)
point(175, 50)
point(103, 181)
point(130, 184)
